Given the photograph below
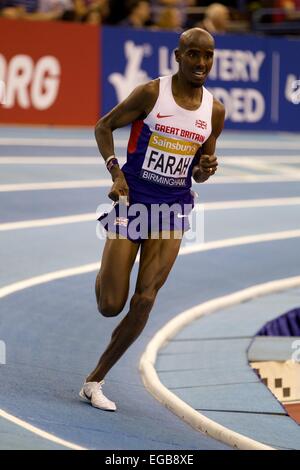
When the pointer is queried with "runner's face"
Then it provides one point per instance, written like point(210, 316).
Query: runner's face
point(195, 62)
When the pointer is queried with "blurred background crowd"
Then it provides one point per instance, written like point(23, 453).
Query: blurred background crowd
point(264, 16)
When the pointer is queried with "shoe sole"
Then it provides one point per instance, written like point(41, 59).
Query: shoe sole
point(86, 398)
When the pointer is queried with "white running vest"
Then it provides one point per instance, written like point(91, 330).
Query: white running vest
point(161, 149)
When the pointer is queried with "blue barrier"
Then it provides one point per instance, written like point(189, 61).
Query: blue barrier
point(257, 79)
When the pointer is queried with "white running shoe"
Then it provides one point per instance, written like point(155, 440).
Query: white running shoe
point(92, 391)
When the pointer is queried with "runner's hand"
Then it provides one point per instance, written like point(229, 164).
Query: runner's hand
point(208, 164)
point(119, 188)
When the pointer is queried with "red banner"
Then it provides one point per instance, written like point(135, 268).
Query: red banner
point(49, 73)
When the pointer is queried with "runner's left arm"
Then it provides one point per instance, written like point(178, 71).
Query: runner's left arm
point(208, 162)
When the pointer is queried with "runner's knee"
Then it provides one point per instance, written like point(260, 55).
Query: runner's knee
point(109, 307)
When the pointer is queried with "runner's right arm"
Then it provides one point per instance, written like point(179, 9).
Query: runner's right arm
point(137, 106)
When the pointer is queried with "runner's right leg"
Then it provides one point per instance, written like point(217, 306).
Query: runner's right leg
point(112, 286)
point(112, 282)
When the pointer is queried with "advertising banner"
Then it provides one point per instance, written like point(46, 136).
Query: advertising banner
point(257, 79)
point(49, 73)
point(285, 111)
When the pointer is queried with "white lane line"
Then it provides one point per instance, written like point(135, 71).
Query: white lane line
point(238, 241)
point(48, 277)
point(39, 432)
point(281, 159)
point(266, 166)
point(254, 164)
point(37, 223)
point(171, 329)
point(75, 184)
point(80, 184)
point(287, 171)
point(57, 160)
point(255, 179)
point(272, 144)
point(208, 206)
point(54, 142)
point(61, 274)
point(248, 203)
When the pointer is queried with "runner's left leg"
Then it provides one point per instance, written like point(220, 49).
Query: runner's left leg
point(156, 261)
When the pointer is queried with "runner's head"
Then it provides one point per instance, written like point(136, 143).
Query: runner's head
point(195, 55)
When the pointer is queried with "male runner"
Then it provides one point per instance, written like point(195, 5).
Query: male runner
point(175, 125)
